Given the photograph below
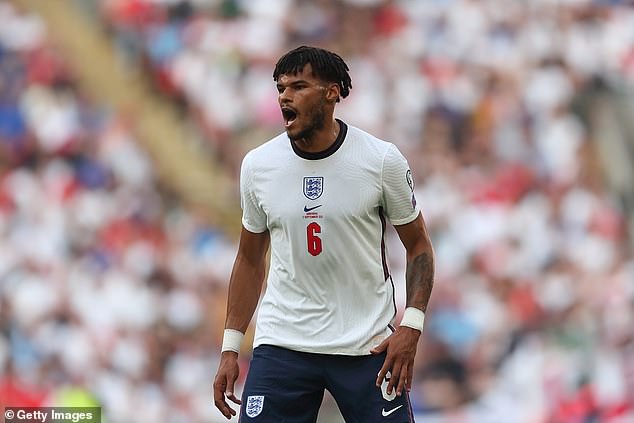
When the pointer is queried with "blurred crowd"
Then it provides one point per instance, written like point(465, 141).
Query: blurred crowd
point(109, 284)
point(111, 293)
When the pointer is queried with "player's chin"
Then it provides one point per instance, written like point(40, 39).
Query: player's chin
point(293, 134)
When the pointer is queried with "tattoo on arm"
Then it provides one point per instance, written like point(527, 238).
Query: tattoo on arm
point(419, 277)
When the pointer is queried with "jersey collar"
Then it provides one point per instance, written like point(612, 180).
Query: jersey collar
point(343, 130)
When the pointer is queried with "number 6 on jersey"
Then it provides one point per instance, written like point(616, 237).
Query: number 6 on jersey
point(314, 242)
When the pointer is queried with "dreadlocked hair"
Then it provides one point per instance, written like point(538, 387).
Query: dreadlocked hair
point(326, 65)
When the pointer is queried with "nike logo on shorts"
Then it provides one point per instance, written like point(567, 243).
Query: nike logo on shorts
point(387, 413)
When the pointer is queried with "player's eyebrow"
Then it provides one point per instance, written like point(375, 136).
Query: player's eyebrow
point(294, 83)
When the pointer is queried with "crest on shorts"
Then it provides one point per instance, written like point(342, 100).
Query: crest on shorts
point(313, 187)
point(255, 404)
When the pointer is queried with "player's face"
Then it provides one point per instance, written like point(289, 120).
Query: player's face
point(302, 98)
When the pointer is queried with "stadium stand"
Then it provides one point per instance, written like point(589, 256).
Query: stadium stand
point(109, 288)
point(517, 120)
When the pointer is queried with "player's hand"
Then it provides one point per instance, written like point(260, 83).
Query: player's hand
point(224, 383)
point(399, 361)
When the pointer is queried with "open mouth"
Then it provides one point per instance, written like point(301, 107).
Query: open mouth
point(289, 116)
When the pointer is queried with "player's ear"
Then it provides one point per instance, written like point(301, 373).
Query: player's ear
point(332, 93)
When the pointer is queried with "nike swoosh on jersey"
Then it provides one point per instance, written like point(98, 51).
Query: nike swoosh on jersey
point(387, 413)
point(307, 209)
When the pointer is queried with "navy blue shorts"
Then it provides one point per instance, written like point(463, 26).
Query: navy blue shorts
point(285, 386)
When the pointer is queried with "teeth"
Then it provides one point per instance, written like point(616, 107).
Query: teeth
point(289, 116)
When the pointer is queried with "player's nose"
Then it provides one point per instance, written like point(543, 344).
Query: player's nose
point(284, 97)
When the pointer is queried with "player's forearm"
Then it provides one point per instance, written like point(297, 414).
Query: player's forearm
point(244, 292)
point(419, 277)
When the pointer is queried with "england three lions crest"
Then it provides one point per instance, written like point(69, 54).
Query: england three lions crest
point(255, 404)
point(313, 187)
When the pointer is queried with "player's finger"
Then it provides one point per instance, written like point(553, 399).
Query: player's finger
point(219, 388)
point(233, 398)
point(381, 347)
point(410, 376)
point(223, 407)
point(402, 380)
point(393, 382)
point(387, 364)
point(219, 397)
point(230, 385)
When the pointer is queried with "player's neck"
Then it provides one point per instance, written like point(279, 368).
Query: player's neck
point(321, 140)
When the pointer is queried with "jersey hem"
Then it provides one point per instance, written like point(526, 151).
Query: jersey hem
point(252, 228)
point(406, 220)
point(355, 353)
point(327, 350)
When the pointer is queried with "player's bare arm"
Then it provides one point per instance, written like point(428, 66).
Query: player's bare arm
point(401, 345)
point(245, 286)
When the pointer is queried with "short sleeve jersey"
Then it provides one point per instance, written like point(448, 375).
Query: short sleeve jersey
point(328, 289)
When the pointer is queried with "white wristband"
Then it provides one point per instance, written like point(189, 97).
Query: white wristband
point(413, 318)
point(231, 340)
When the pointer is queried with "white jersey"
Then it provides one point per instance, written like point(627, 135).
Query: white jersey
point(328, 288)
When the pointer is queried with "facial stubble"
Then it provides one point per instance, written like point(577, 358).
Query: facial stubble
point(317, 119)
